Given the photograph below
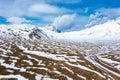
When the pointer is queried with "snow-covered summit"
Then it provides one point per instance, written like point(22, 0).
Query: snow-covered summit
point(24, 31)
point(110, 30)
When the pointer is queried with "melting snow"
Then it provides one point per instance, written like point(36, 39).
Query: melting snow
point(18, 77)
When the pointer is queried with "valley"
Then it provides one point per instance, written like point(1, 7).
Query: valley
point(59, 60)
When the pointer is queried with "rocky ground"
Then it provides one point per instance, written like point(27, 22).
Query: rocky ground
point(59, 60)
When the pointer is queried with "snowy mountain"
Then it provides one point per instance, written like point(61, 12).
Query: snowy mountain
point(22, 31)
point(29, 53)
point(107, 31)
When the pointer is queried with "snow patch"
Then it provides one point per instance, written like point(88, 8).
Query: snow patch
point(18, 77)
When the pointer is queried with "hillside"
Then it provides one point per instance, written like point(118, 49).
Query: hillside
point(34, 53)
point(108, 31)
point(22, 31)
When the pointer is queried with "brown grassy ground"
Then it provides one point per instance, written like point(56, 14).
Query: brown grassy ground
point(55, 69)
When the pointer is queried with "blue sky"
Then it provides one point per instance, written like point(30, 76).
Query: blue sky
point(65, 15)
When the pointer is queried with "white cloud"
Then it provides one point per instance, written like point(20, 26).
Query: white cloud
point(96, 18)
point(64, 22)
point(103, 15)
point(69, 22)
point(30, 8)
point(13, 8)
point(46, 8)
point(111, 12)
point(38, 9)
point(17, 20)
point(86, 10)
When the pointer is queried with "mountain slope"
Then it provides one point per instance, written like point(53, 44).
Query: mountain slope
point(22, 31)
point(26, 53)
point(109, 30)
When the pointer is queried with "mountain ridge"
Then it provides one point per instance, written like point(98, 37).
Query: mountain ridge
point(109, 30)
point(23, 31)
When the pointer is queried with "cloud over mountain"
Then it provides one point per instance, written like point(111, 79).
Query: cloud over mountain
point(46, 8)
point(17, 20)
point(44, 12)
point(64, 22)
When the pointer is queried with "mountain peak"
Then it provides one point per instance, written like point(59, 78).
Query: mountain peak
point(107, 31)
point(23, 31)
